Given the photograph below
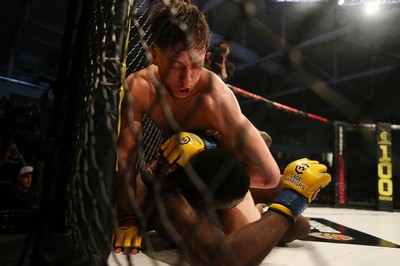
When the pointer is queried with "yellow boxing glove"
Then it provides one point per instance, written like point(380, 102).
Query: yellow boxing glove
point(180, 147)
point(301, 181)
point(127, 238)
point(177, 151)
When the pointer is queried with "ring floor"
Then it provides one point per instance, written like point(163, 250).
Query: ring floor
point(338, 237)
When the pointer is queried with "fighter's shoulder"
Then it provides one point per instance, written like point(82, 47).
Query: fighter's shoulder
point(139, 81)
point(210, 76)
point(213, 85)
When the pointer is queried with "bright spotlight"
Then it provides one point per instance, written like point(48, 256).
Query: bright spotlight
point(340, 2)
point(371, 8)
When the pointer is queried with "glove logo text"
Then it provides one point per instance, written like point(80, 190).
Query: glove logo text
point(184, 140)
point(295, 180)
point(301, 168)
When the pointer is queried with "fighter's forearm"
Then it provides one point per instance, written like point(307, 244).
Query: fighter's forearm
point(125, 183)
point(128, 147)
point(207, 244)
point(125, 193)
point(253, 242)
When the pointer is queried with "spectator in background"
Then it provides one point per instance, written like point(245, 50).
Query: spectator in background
point(12, 163)
point(24, 180)
point(17, 195)
point(218, 62)
point(24, 187)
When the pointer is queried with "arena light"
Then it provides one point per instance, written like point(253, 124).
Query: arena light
point(371, 7)
point(340, 2)
point(302, 1)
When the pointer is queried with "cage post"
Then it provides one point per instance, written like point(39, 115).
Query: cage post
point(385, 167)
point(339, 163)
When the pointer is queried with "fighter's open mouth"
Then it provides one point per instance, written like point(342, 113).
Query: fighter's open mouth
point(183, 91)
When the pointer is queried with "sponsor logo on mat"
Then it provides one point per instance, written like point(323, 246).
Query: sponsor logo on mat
point(323, 230)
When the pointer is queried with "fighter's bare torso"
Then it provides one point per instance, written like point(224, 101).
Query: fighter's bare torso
point(197, 111)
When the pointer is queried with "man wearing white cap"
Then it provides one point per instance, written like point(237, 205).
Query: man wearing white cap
point(24, 179)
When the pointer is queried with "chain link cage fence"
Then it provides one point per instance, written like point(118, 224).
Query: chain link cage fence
point(77, 203)
point(76, 217)
point(293, 134)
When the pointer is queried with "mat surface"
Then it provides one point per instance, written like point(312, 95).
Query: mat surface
point(338, 237)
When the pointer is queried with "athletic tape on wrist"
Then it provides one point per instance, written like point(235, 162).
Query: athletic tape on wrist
point(292, 200)
point(276, 207)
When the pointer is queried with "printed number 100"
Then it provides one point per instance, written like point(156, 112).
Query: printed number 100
point(385, 184)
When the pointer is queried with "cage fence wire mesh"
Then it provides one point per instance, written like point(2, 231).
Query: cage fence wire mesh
point(90, 189)
point(91, 215)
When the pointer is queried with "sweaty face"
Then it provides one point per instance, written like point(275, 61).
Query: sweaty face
point(179, 69)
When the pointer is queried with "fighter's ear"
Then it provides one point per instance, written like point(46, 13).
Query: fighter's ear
point(153, 53)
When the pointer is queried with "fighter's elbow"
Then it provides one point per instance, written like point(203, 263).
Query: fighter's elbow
point(276, 176)
point(271, 178)
point(264, 182)
point(275, 182)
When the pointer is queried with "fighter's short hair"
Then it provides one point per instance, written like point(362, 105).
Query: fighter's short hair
point(180, 22)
